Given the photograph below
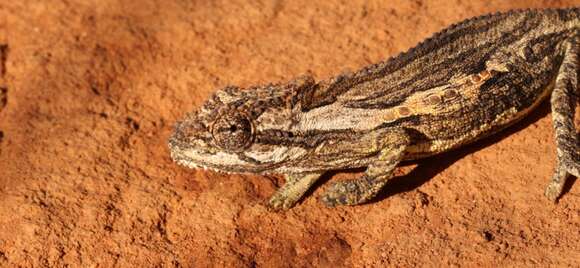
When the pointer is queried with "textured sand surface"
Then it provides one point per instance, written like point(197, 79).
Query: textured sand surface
point(89, 91)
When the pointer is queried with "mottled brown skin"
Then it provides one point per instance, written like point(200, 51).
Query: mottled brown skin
point(467, 82)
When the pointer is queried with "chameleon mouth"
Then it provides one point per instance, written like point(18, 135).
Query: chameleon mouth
point(186, 162)
point(191, 157)
point(180, 157)
point(193, 165)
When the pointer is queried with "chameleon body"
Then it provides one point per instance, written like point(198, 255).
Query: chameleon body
point(462, 84)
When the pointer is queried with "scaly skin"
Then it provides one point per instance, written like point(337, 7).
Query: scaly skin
point(467, 82)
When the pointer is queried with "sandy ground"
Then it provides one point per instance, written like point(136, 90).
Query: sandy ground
point(89, 91)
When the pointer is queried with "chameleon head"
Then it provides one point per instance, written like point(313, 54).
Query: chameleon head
point(208, 141)
point(228, 133)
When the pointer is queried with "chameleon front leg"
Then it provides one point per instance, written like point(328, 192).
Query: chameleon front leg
point(291, 192)
point(563, 102)
point(357, 191)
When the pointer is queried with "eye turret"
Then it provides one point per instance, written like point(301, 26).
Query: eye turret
point(232, 132)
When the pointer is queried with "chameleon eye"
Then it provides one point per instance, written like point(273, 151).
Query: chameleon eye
point(232, 132)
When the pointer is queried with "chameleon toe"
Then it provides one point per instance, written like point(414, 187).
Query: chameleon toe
point(556, 186)
point(280, 202)
point(343, 193)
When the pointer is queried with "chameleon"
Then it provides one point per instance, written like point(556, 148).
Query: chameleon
point(464, 83)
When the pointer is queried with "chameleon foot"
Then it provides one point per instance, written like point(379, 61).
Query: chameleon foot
point(349, 192)
point(281, 202)
point(353, 192)
point(556, 185)
point(290, 193)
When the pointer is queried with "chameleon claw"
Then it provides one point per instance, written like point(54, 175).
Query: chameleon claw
point(343, 193)
point(280, 202)
point(556, 186)
point(553, 191)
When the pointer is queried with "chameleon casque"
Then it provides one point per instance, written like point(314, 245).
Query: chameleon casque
point(464, 83)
